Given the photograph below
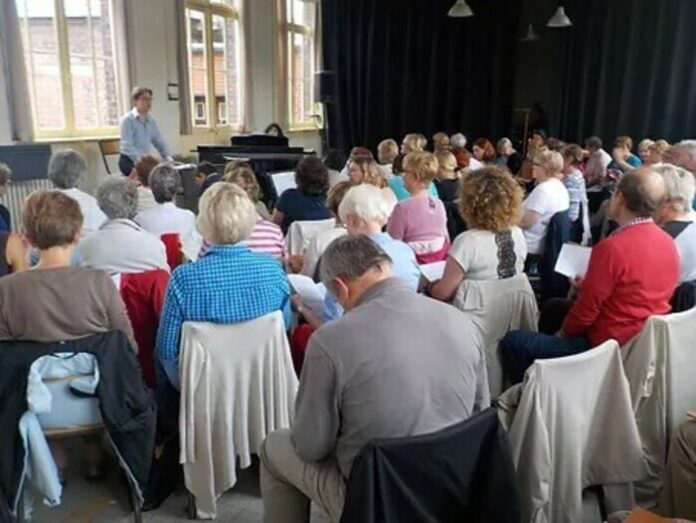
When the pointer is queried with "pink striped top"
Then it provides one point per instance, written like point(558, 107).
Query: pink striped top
point(265, 238)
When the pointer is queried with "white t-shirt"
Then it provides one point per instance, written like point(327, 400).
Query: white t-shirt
point(546, 199)
point(92, 214)
point(485, 255)
point(686, 246)
point(167, 218)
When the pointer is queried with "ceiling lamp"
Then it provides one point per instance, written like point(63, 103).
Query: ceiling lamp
point(460, 9)
point(531, 35)
point(559, 19)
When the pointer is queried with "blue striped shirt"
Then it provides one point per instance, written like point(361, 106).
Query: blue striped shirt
point(139, 134)
point(230, 284)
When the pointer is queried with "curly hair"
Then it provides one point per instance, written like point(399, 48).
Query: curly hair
point(370, 170)
point(490, 199)
point(312, 176)
point(244, 177)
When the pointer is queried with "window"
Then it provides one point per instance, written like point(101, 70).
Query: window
point(301, 23)
point(214, 54)
point(69, 50)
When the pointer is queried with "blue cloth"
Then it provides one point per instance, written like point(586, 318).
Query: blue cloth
point(5, 219)
point(404, 264)
point(138, 135)
point(632, 160)
point(519, 349)
point(396, 184)
point(229, 284)
point(297, 206)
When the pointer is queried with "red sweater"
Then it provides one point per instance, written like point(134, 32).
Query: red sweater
point(631, 277)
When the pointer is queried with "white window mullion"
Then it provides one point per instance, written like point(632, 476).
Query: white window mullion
point(95, 83)
point(64, 60)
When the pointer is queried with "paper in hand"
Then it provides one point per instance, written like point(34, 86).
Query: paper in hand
point(312, 294)
point(433, 271)
point(573, 260)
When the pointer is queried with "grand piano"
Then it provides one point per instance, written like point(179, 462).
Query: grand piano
point(266, 154)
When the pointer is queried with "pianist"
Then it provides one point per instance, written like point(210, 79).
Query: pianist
point(139, 132)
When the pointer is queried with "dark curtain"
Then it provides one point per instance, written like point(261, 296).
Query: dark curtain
point(404, 66)
point(629, 68)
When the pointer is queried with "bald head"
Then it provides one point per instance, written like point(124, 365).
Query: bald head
point(643, 191)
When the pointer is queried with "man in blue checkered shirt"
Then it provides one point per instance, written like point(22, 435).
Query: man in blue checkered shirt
point(230, 284)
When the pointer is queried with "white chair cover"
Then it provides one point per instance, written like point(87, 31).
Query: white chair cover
point(300, 234)
point(497, 307)
point(660, 365)
point(572, 427)
point(237, 386)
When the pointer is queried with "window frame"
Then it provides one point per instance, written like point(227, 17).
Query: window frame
point(290, 30)
point(70, 129)
point(209, 9)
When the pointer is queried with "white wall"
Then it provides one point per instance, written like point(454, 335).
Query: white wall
point(152, 42)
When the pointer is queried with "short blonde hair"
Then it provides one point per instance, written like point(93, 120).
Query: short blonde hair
point(446, 160)
point(440, 140)
point(371, 173)
point(226, 214)
point(680, 186)
point(624, 141)
point(550, 161)
point(646, 143)
point(415, 141)
point(423, 165)
point(660, 147)
point(366, 203)
point(387, 150)
point(246, 179)
point(490, 199)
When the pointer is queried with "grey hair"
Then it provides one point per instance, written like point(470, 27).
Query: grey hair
point(67, 168)
point(5, 174)
point(690, 145)
point(365, 202)
point(458, 141)
point(680, 186)
point(164, 182)
point(118, 198)
point(350, 257)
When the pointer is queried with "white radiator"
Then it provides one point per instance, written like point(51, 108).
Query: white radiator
point(16, 194)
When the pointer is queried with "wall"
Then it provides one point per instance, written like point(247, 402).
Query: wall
point(152, 41)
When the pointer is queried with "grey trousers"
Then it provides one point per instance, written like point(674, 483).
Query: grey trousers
point(289, 485)
point(678, 497)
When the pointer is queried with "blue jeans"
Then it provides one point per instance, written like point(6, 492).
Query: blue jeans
point(520, 349)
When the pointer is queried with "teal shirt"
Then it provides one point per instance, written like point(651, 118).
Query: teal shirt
point(396, 184)
point(632, 160)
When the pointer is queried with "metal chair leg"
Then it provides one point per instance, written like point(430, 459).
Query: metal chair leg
point(137, 511)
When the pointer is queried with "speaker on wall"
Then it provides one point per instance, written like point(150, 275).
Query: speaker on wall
point(324, 87)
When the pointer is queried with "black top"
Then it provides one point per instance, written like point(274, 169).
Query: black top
point(447, 190)
point(4, 266)
point(5, 219)
point(675, 228)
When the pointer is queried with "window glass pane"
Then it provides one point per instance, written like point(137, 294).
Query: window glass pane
point(226, 63)
point(39, 37)
point(301, 48)
point(301, 13)
point(198, 65)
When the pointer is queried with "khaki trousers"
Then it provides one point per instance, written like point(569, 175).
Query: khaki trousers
point(678, 497)
point(289, 485)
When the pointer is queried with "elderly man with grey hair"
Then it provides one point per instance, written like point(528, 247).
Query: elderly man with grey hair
point(683, 154)
point(676, 218)
point(66, 170)
point(5, 219)
point(165, 217)
point(398, 364)
point(121, 245)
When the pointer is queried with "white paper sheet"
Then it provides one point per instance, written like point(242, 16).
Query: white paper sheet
point(573, 260)
point(433, 271)
point(283, 181)
point(312, 294)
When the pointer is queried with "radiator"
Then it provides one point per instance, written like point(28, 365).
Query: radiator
point(17, 192)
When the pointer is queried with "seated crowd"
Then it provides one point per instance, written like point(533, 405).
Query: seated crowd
point(394, 354)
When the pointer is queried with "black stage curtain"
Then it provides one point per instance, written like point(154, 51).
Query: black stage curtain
point(404, 66)
point(630, 68)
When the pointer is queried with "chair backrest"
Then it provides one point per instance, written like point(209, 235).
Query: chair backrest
point(143, 295)
point(460, 473)
point(660, 367)
point(496, 307)
point(301, 233)
point(554, 285)
point(237, 385)
point(573, 428)
point(109, 148)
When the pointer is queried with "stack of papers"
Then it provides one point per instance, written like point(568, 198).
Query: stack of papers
point(312, 294)
point(573, 260)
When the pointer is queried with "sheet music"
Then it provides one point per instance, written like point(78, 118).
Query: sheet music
point(433, 271)
point(283, 181)
point(312, 294)
point(573, 260)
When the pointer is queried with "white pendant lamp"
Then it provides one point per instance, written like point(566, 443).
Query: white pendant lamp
point(531, 35)
point(559, 19)
point(460, 9)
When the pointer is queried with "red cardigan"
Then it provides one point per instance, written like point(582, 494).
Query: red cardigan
point(631, 277)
